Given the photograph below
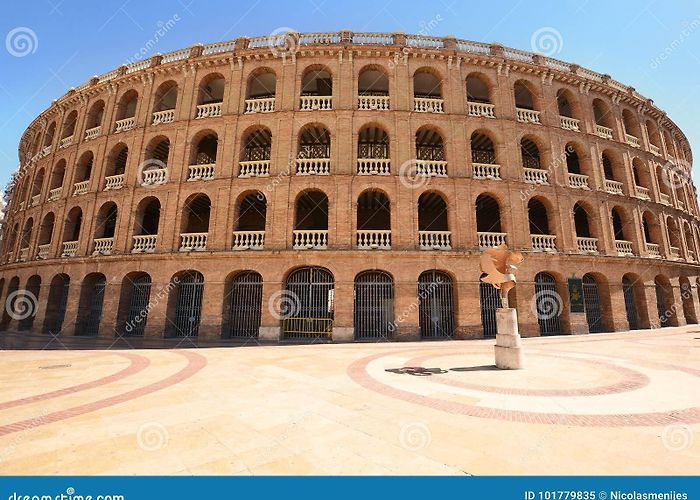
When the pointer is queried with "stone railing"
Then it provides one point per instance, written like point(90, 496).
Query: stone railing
point(633, 141)
point(578, 181)
point(431, 168)
point(65, 142)
point(587, 245)
point(427, 105)
point(23, 254)
point(691, 256)
point(486, 171)
point(103, 246)
point(655, 149)
point(193, 242)
point(613, 187)
point(69, 248)
point(490, 240)
point(623, 247)
point(201, 172)
point(527, 115)
point(45, 151)
point(604, 132)
point(665, 198)
point(680, 204)
point(536, 176)
point(258, 168)
point(653, 250)
point(569, 123)
point(266, 105)
point(154, 176)
point(373, 166)
point(43, 252)
point(144, 243)
point(642, 193)
point(166, 116)
point(248, 240)
point(434, 240)
point(80, 188)
point(374, 238)
point(674, 252)
point(208, 110)
point(543, 242)
point(316, 103)
point(308, 239)
point(55, 194)
point(35, 200)
point(481, 109)
point(313, 166)
point(113, 182)
point(373, 103)
point(124, 125)
point(92, 133)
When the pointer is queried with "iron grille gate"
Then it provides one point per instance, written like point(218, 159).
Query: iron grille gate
point(56, 308)
point(630, 307)
point(548, 304)
point(245, 305)
point(188, 311)
point(310, 292)
point(92, 323)
point(374, 306)
point(436, 311)
point(490, 301)
point(591, 301)
point(661, 305)
point(138, 308)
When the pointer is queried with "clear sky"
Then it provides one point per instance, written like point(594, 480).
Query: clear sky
point(652, 45)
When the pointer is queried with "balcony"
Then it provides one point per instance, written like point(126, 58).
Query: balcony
point(527, 115)
point(536, 176)
point(316, 103)
point(674, 253)
point(613, 187)
point(155, 176)
point(43, 252)
point(642, 193)
point(434, 240)
point(569, 123)
point(489, 171)
point(125, 124)
point(103, 246)
point(633, 141)
point(680, 204)
point(193, 242)
point(23, 254)
point(431, 168)
point(65, 142)
point(258, 168)
point(373, 166)
point(604, 132)
point(543, 242)
point(166, 116)
point(578, 181)
point(266, 105)
point(80, 188)
point(92, 133)
point(427, 105)
point(308, 239)
point(653, 250)
point(114, 182)
point(201, 172)
point(655, 150)
point(691, 256)
point(370, 239)
point(55, 194)
point(623, 248)
point(69, 248)
point(35, 200)
point(210, 110)
point(587, 245)
point(45, 151)
point(373, 103)
point(313, 166)
point(145, 243)
point(665, 199)
point(490, 240)
point(481, 109)
point(248, 240)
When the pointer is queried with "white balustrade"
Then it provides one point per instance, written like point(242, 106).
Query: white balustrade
point(653, 250)
point(208, 110)
point(80, 188)
point(633, 141)
point(266, 105)
point(310, 239)
point(642, 192)
point(258, 168)
point(481, 109)
point(604, 132)
point(578, 181)
point(65, 142)
point(155, 176)
point(373, 102)
point(486, 171)
point(55, 194)
point(374, 238)
point(45, 151)
point(623, 247)
point(431, 168)
point(536, 176)
point(21, 205)
point(113, 182)
point(527, 115)
point(543, 242)
point(313, 166)
point(665, 198)
point(43, 252)
point(427, 105)
point(193, 242)
point(680, 204)
point(434, 240)
point(125, 124)
point(35, 200)
point(91, 133)
point(165, 116)
point(691, 255)
point(613, 187)
point(69, 248)
point(675, 253)
point(655, 149)
point(587, 245)
point(373, 166)
point(248, 240)
point(144, 243)
point(23, 254)
point(490, 240)
point(569, 123)
point(201, 172)
point(103, 246)
point(316, 103)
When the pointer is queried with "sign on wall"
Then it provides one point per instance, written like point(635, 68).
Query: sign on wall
point(576, 295)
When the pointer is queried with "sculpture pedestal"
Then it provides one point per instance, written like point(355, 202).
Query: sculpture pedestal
point(509, 352)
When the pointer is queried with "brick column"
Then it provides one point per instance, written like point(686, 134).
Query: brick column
point(343, 314)
point(110, 307)
point(467, 310)
point(406, 309)
point(269, 321)
point(212, 307)
point(156, 322)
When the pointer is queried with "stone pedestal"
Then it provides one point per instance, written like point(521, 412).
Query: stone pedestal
point(509, 354)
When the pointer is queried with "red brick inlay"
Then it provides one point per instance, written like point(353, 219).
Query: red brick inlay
point(357, 371)
point(195, 363)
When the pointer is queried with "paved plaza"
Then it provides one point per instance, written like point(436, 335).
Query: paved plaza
point(623, 403)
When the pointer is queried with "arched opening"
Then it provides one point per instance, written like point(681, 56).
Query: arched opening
point(46, 231)
point(10, 299)
point(26, 236)
point(430, 153)
point(116, 167)
point(674, 238)
point(433, 229)
point(372, 89)
point(622, 244)
point(56, 304)
point(538, 219)
point(155, 166)
point(584, 236)
point(314, 155)
point(631, 124)
point(548, 304)
point(689, 242)
point(311, 220)
point(69, 128)
point(484, 161)
point(427, 92)
point(654, 137)
point(592, 304)
point(49, 135)
point(635, 301)
point(185, 304)
point(32, 295)
point(613, 173)
point(195, 223)
point(251, 217)
point(642, 179)
point(530, 154)
point(126, 110)
point(573, 162)
point(83, 170)
point(133, 304)
point(146, 225)
point(92, 292)
point(204, 150)
point(604, 119)
point(373, 151)
point(210, 95)
point(665, 307)
point(94, 119)
point(687, 300)
point(373, 220)
point(105, 226)
point(71, 231)
point(257, 151)
point(165, 102)
point(57, 174)
point(652, 238)
point(37, 186)
point(316, 89)
point(478, 90)
point(488, 222)
point(260, 91)
point(311, 291)
point(525, 105)
point(243, 305)
point(565, 103)
point(436, 305)
point(374, 306)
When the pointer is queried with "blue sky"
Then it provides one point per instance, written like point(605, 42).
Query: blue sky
point(75, 40)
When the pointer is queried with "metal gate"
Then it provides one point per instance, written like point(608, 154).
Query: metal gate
point(661, 305)
point(92, 323)
point(591, 301)
point(490, 301)
point(436, 311)
point(56, 328)
point(548, 304)
point(309, 295)
point(246, 305)
point(138, 307)
point(188, 308)
point(374, 306)
point(630, 306)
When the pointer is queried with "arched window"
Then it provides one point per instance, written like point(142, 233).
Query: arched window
point(57, 174)
point(585, 238)
point(314, 155)
point(94, 119)
point(311, 318)
point(165, 102)
point(243, 306)
point(257, 151)
point(33, 292)
point(642, 179)
point(484, 161)
point(373, 151)
point(430, 153)
point(372, 89)
point(631, 124)
point(92, 293)
point(251, 217)
point(622, 243)
point(664, 302)
point(316, 89)
point(56, 304)
point(260, 92)
point(530, 153)
point(37, 186)
point(71, 232)
point(10, 298)
point(374, 306)
point(133, 304)
point(427, 92)
point(147, 221)
point(488, 222)
point(654, 137)
point(477, 90)
point(83, 170)
point(433, 229)
point(203, 163)
point(154, 170)
point(604, 119)
point(69, 129)
point(46, 235)
point(116, 167)
point(210, 96)
point(373, 220)
point(674, 238)
point(185, 304)
point(311, 221)
point(436, 305)
point(49, 135)
point(105, 226)
point(540, 236)
point(592, 304)
point(195, 223)
point(26, 235)
point(126, 111)
point(687, 300)
point(548, 304)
